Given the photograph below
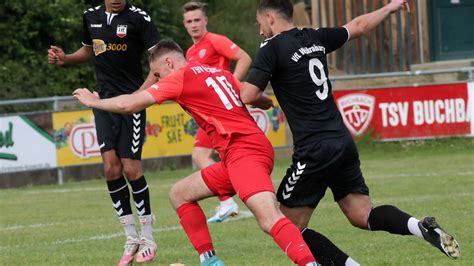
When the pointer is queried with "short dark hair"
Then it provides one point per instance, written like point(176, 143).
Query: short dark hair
point(284, 7)
point(190, 6)
point(163, 47)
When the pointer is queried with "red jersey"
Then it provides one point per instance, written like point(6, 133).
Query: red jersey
point(213, 50)
point(211, 96)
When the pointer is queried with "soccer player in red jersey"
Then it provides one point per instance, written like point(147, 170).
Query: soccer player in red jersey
point(217, 51)
point(211, 96)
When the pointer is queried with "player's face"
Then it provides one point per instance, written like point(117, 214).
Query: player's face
point(195, 23)
point(160, 67)
point(264, 25)
point(115, 6)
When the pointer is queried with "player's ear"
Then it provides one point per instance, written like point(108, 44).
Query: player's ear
point(169, 62)
point(270, 18)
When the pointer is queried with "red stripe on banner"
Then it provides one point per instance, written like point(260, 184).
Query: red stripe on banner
point(406, 112)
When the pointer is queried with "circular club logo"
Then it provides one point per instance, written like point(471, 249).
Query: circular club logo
point(357, 110)
point(84, 141)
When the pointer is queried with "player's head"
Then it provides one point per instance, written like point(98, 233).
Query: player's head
point(271, 11)
point(165, 58)
point(195, 19)
point(115, 6)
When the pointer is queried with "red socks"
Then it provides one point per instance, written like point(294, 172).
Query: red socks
point(284, 232)
point(289, 239)
point(194, 223)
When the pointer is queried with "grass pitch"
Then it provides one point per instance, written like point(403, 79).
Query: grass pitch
point(75, 224)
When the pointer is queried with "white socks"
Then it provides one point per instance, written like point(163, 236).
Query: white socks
point(227, 202)
point(128, 223)
point(414, 228)
point(351, 262)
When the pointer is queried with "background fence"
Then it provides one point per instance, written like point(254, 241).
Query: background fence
point(392, 46)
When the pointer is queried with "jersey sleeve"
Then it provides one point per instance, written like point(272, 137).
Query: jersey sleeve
point(263, 66)
point(148, 32)
point(333, 38)
point(86, 37)
point(224, 46)
point(169, 88)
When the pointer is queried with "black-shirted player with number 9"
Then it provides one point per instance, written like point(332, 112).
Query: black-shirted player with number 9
point(294, 61)
point(116, 37)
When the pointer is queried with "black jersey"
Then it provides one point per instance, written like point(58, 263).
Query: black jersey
point(119, 41)
point(295, 63)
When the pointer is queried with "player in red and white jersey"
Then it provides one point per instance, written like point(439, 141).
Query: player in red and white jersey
point(217, 51)
point(211, 96)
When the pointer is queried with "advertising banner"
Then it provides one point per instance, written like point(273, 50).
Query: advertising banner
point(170, 131)
point(76, 140)
point(408, 112)
point(24, 145)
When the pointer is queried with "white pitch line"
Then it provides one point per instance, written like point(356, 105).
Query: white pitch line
point(242, 215)
point(16, 227)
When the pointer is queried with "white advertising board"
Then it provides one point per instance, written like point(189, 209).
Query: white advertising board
point(24, 146)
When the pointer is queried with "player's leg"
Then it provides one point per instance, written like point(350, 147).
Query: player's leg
point(116, 182)
point(249, 165)
point(184, 197)
point(202, 157)
point(352, 195)
point(130, 143)
point(265, 209)
point(361, 213)
point(299, 193)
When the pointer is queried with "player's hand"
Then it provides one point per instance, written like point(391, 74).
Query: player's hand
point(396, 5)
point(56, 56)
point(86, 97)
point(267, 104)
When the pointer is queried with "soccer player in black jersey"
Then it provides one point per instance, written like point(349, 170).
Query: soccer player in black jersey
point(294, 61)
point(116, 36)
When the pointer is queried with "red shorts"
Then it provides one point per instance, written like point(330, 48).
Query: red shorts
point(245, 169)
point(202, 140)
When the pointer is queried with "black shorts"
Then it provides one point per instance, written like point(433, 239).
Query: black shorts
point(123, 133)
point(332, 163)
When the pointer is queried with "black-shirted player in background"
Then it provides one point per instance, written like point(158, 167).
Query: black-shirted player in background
point(116, 37)
point(294, 61)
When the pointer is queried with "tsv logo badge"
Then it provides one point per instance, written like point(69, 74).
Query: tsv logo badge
point(357, 110)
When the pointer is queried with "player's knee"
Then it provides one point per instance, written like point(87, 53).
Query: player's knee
point(132, 173)
point(301, 224)
point(358, 218)
point(265, 225)
point(112, 170)
point(195, 156)
point(176, 195)
point(268, 219)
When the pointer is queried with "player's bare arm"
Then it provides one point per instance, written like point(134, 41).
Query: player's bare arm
point(365, 23)
point(242, 65)
point(56, 56)
point(124, 104)
point(252, 95)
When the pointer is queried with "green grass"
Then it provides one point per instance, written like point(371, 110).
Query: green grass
point(74, 224)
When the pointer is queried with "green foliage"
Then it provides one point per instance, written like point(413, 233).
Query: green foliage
point(29, 27)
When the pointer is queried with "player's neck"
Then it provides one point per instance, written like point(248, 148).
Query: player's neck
point(197, 39)
point(282, 26)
